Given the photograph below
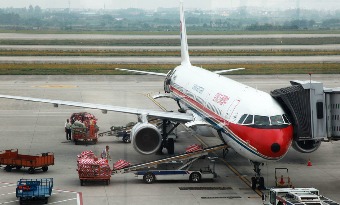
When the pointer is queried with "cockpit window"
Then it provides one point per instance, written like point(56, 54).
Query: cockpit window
point(261, 120)
point(276, 120)
point(242, 119)
point(285, 118)
point(249, 120)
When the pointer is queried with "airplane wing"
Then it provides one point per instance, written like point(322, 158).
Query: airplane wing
point(230, 70)
point(143, 72)
point(178, 117)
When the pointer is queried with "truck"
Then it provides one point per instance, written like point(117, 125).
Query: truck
point(175, 167)
point(34, 190)
point(178, 170)
point(298, 196)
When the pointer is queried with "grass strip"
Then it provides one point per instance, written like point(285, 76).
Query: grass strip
point(167, 53)
point(109, 69)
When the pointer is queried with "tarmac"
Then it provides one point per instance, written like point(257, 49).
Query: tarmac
point(35, 128)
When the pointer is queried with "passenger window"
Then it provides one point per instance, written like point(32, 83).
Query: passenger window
point(276, 120)
point(261, 120)
point(242, 119)
point(249, 120)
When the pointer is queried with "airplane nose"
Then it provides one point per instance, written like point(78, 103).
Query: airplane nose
point(275, 147)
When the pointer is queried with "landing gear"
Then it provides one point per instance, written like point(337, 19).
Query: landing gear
point(257, 181)
point(167, 142)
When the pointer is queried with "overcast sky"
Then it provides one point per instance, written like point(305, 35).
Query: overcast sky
point(153, 4)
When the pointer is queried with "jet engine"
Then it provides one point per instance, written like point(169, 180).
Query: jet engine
point(306, 146)
point(145, 138)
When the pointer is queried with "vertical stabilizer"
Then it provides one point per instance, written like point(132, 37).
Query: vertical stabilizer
point(184, 42)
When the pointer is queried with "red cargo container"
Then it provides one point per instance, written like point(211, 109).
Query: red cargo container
point(84, 127)
point(91, 168)
point(12, 159)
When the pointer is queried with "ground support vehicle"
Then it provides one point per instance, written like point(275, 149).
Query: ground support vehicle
point(91, 168)
point(84, 128)
point(298, 196)
point(122, 132)
point(282, 178)
point(34, 190)
point(12, 159)
point(144, 170)
point(177, 170)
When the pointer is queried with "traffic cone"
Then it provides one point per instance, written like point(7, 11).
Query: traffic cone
point(309, 164)
point(282, 182)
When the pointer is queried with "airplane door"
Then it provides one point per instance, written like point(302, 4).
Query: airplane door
point(231, 114)
point(167, 81)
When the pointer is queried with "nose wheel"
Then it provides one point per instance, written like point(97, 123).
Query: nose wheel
point(257, 181)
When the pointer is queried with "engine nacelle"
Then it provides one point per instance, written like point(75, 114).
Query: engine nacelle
point(306, 146)
point(145, 138)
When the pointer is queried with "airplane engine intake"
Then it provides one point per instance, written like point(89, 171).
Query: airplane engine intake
point(306, 146)
point(146, 138)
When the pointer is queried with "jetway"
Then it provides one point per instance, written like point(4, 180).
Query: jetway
point(313, 110)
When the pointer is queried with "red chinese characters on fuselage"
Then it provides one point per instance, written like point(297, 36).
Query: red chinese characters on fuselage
point(221, 99)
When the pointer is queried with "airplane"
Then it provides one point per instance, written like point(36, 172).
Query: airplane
point(248, 120)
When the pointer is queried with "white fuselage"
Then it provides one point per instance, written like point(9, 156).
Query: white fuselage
point(222, 102)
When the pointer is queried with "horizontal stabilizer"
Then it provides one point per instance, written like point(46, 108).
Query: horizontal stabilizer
point(142, 72)
point(226, 71)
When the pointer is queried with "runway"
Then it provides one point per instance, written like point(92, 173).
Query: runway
point(35, 128)
point(167, 59)
point(331, 47)
point(170, 60)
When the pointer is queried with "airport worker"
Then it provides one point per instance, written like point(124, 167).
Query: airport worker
point(106, 153)
point(68, 129)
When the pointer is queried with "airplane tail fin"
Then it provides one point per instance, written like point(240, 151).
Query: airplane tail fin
point(184, 42)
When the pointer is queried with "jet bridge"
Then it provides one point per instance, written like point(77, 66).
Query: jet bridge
point(313, 110)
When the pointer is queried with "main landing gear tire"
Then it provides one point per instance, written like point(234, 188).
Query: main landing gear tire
point(261, 183)
point(257, 181)
point(253, 183)
point(171, 146)
point(126, 139)
point(149, 178)
point(195, 177)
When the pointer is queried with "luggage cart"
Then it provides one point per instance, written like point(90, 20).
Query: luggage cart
point(84, 128)
point(92, 168)
point(34, 190)
point(12, 159)
point(94, 173)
